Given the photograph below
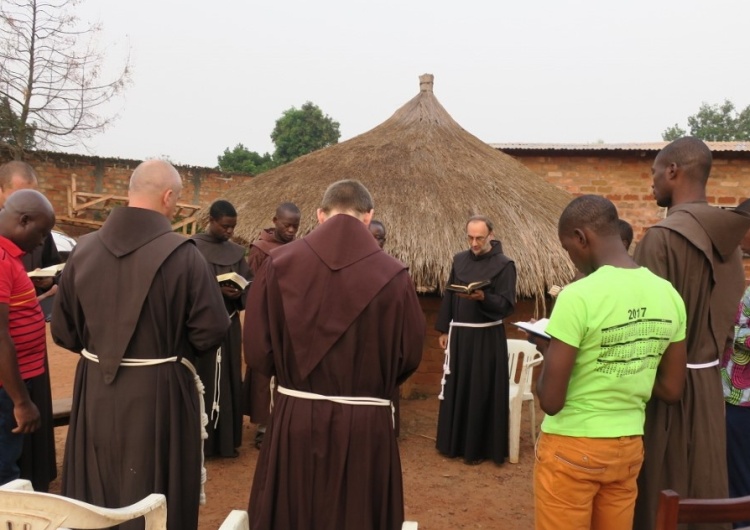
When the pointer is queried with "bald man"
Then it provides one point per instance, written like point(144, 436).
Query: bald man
point(140, 304)
point(38, 461)
point(25, 221)
point(696, 249)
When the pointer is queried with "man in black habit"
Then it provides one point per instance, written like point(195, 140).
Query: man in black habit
point(140, 304)
point(473, 417)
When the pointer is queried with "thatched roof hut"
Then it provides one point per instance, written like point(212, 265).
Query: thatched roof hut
point(426, 175)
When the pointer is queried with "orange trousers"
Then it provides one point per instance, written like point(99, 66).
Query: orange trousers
point(586, 483)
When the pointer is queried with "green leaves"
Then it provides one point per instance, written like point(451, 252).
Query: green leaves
point(715, 123)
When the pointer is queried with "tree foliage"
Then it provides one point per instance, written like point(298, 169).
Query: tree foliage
point(51, 75)
point(302, 131)
point(9, 125)
point(298, 132)
point(715, 123)
point(242, 160)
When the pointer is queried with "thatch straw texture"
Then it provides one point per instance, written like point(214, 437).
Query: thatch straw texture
point(427, 175)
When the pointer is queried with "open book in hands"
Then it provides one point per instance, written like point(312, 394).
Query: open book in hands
point(46, 272)
point(233, 279)
point(535, 328)
point(468, 289)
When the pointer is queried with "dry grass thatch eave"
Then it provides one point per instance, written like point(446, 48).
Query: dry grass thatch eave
point(427, 175)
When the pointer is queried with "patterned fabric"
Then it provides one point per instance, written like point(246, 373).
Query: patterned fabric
point(735, 370)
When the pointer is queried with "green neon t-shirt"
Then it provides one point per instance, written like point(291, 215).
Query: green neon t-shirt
point(621, 321)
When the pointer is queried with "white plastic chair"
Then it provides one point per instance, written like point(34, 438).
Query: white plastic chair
point(22, 508)
point(520, 391)
point(236, 520)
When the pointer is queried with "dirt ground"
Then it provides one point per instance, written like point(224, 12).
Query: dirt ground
point(439, 493)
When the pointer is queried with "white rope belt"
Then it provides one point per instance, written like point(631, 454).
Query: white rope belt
point(700, 366)
point(215, 406)
point(447, 362)
point(198, 386)
point(343, 400)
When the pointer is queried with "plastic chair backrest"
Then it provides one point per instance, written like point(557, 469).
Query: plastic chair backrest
point(23, 508)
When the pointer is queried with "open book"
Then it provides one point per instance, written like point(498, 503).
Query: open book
point(535, 328)
point(47, 272)
point(234, 279)
point(468, 289)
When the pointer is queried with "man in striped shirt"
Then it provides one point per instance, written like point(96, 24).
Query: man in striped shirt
point(25, 221)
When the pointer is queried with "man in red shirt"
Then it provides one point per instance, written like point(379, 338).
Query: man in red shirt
point(25, 221)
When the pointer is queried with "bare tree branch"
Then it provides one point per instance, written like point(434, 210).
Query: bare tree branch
point(51, 86)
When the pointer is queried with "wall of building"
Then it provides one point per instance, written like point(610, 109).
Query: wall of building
point(624, 177)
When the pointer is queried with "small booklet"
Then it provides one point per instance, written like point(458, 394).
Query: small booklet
point(47, 272)
point(234, 279)
point(535, 328)
point(468, 289)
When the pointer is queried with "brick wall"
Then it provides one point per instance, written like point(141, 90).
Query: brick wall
point(624, 177)
point(202, 186)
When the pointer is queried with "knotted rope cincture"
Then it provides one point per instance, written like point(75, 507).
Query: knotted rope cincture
point(447, 361)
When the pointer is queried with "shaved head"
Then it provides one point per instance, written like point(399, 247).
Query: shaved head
point(155, 185)
point(691, 155)
point(592, 212)
point(26, 219)
point(287, 208)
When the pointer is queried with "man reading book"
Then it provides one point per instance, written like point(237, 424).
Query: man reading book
point(473, 418)
point(221, 370)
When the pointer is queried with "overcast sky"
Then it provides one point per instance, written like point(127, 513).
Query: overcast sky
point(210, 74)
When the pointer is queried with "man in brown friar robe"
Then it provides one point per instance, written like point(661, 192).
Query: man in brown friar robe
point(140, 303)
point(473, 417)
point(256, 386)
point(221, 370)
point(337, 321)
point(696, 249)
point(38, 463)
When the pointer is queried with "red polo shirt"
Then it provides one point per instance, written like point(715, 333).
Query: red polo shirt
point(25, 318)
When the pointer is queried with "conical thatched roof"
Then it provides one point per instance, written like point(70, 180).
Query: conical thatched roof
point(426, 175)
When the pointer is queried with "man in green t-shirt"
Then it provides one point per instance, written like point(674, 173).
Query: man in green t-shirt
point(617, 335)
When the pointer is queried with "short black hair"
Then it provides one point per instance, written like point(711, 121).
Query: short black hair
point(691, 154)
point(222, 208)
point(626, 231)
point(288, 207)
point(379, 223)
point(594, 212)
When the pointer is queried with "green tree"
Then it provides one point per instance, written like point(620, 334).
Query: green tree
point(52, 75)
point(9, 124)
point(242, 160)
point(715, 123)
point(302, 131)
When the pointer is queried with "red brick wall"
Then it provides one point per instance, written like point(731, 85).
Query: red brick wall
point(111, 175)
point(625, 178)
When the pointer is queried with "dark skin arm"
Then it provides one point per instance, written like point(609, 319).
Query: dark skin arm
point(24, 410)
point(552, 385)
point(671, 373)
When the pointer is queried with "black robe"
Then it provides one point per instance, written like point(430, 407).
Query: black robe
point(136, 290)
point(473, 417)
point(335, 315)
point(38, 463)
point(225, 424)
